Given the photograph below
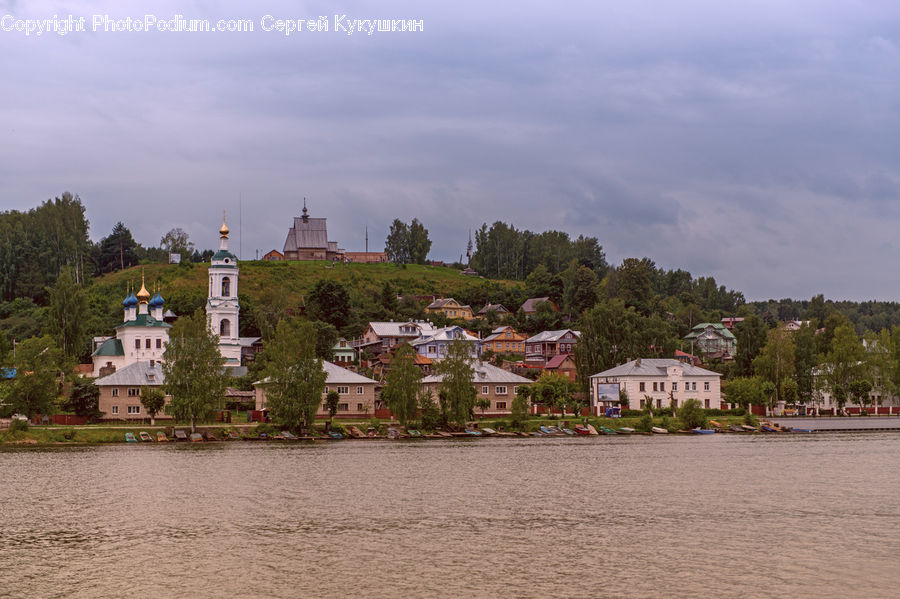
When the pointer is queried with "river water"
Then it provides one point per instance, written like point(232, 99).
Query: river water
point(710, 516)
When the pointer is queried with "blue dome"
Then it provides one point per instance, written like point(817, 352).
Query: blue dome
point(130, 301)
point(157, 301)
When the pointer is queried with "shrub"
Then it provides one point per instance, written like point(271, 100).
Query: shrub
point(666, 423)
point(692, 415)
point(632, 413)
point(645, 423)
point(18, 425)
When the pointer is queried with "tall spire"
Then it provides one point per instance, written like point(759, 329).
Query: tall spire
point(143, 295)
point(223, 231)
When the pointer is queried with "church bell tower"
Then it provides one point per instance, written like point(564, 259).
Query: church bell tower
point(222, 308)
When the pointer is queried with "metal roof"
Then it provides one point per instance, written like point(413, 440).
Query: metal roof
point(335, 375)
point(392, 329)
point(654, 367)
point(483, 372)
point(145, 320)
point(110, 347)
point(312, 234)
point(551, 336)
point(135, 375)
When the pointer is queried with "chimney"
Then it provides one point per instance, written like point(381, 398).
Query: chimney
point(637, 362)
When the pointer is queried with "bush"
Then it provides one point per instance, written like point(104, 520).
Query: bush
point(666, 423)
point(718, 412)
point(632, 413)
point(18, 425)
point(692, 415)
point(645, 423)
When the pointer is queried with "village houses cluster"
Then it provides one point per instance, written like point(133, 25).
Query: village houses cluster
point(130, 359)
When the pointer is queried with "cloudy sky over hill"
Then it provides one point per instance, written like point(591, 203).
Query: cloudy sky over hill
point(755, 142)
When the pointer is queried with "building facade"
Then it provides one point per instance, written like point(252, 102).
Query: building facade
point(357, 393)
point(436, 346)
point(540, 348)
point(222, 307)
point(505, 340)
point(490, 382)
point(450, 308)
point(307, 239)
point(120, 392)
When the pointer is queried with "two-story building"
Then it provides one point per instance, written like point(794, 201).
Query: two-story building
point(343, 353)
point(499, 311)
point(505, 340)
point(120, 392)
point(711, 340)
point(450, 308)
point(436, 345)
point(664, 381)
point(381, 336)
point(547, 344)
point(490, 382)
point(531, 305)
point(357, 393)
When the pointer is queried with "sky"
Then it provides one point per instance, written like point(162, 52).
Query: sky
point(755, 142)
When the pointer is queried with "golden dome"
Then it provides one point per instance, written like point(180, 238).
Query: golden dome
point(143, 295)
point(224, 230)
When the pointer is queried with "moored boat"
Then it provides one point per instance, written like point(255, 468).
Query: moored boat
point(488, 431)
point(161, 437)
point(702, 431)
point(625, 430)
point(659, 431)
point(196, 438)
point(592, 430)
point(145, 436)
point(473, 432)
point(130, 438)
point(180, 435)
point(568, 431)
point(748, 428)
point(607, 431)
point(581, 429)
point(335, 435)
point(414, 433)
point(736, 429)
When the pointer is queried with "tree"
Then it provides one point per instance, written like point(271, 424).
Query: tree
point(520, 409)
point(428, 408)
point(84, 398)
point(326, 338)
point(402, 384)
point(153, 400)
point(805, 363)
point(295, 376)
point(332, 398)
point(329, 301)
point(750, 337)
point(744, 392)
point(396, 246)
point(844, 362)
point(483, 403)
point(36, 384)
point(67, 314)
point(418, 243)
point(789, 391)
point(553, 390)
point(192, 367)
point(692, 415)
point(388, 300)
point(769, 390)
point(177, 241)
point(580, 289)
point(456, 390)
point(117, 250)
point(776, 360)
point(859, 390)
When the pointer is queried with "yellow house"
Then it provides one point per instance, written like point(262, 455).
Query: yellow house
point(450, 308)
point(505, 340)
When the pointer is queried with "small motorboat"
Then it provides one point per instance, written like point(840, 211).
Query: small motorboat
point(355, 432)
point(625, 430)
point(443, 434)
point(233, 436)
point(551, 430)
point(581, 429)
point(130, 438)
point(748, 428)
point(803, 430)
point(393, 433)
point(372, 432)
point(161, 437)
point(659, 431)
point(180, 435)
point(703, 431)
point(145, 436)
point(210, 436)
point(715, 423)
point(196, 438)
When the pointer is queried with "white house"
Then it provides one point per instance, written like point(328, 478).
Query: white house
point(664, 381)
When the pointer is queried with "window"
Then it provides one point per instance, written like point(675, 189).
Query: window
point(137, 344)
point(115, 409)
point(675, 386)
point(662, 386)
point(343, 390)
point(484, 390)
point(500, 390)
point(225, 328)
point(516, 390)
point(147, 343)
point(343, 407)
point(706, 403)
point(430, 349)
point(658, 403)
point(326, 390)
point(159, 344)
point(501, 405)
point(694, 386)
point(359, 407)
point(134, 392)
point(134, 409)
point(115, 392)
point(706, 386)
point(359, 390)
point(654, 387)
point(226, 287)
point(641, 387)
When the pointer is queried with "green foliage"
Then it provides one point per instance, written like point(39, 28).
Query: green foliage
point(429, 411)
point(692, 415)
point(645, 423)
point(859, 390)
point(402, 384)
point(18, 426)
point(153, 400)
point(775, 362)
point(520, 409)
point(117, 250)
point(482, 403)
point(177, 241)
point(67, 315)
point(744, 391)
point(192, 366)
point(552, 390)
point(456, 391)
point(332, 398)
point(844, 363)
point(750, 337)
point(407, 244)
point(84, 397)
point(580, 289)
point(38, 361)
point(295, 375)
point(326, 337)
point(329, 301)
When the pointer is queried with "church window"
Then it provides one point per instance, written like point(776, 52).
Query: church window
point(226, 287)
point(225, 328)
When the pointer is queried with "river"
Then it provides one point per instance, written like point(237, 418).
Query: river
point(710, 516)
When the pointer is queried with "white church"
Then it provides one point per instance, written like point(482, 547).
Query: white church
point(222, 308)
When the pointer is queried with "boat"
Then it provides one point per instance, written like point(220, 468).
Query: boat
point(748, 428)
point(161, 437)
point(372, 432)
point(233, 436)
point(393, 433)
point(581, 429)
point(180, 435)
point(659, 431)
point(443, 434)
point(488, 431)
point(803, 430)
point(768, 429)
point(145, 436)
point(210, 436)
point(335, 435)
point(607, 431)
point(551, 430)
point(568, 431)
point(715, 423)
point(287, 436)
point(625, 430)
point(736, 429)
point(355, 432)
point(130, 438)
point(196, 438)
point(414, 433)
point(473, 432)
point(592, 430)
point(702, 431)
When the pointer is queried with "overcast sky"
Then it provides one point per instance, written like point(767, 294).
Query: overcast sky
point(756, 142)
